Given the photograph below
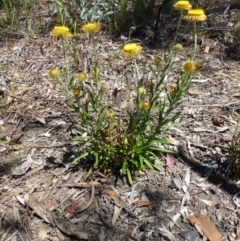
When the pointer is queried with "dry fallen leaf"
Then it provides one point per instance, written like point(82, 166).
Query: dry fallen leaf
point(113, 195)
point(116, 213)
point(142, 203)
point(206, 226)
point(207, 202)
point(72, 209)
point(170, 161)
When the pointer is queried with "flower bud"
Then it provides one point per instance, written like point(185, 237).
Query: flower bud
point(142, 91)
point(145, 104)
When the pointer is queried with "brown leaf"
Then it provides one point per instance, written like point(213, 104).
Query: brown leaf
point(116, 213)
point(113, 195)
point(38, 208)
point(142, 203)
point(207, 227)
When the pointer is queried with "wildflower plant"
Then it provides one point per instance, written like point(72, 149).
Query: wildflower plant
point(132, 141)
point(233, 159)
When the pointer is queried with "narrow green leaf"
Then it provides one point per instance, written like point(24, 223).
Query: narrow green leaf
point(129, 177)
point(101, 116)
point(77, 159)
point(149, 164)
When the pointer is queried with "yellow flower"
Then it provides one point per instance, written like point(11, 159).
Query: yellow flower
point(145, 104)
point(110, 114)
point(157, 61)
point(81, 76)
point(178, 47)
point(195, 15)
point(131, 50)
point(142, 91)
point(172, 91)
point(189, 67)
point(61, 31)
point(182, 5)
point(54, 73)
point(91, 28)
point(76, 93)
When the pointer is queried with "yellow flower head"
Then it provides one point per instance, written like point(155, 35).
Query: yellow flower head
point(131, 50)
point(54, 73)
point(172, 91)
point(145, 104)
point(178, 47)
point(76, 93)
point(182, 5)
point(189, 67)
point(61, 31)
point(142, 91)
point(81, 76)
point(195, 15)
point(91, 28)
point(110, 114)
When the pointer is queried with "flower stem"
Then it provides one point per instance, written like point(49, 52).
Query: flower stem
point(195, 39)
point(65, 58)
point(178, 25)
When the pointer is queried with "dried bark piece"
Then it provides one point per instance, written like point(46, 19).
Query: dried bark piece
point(206, 226)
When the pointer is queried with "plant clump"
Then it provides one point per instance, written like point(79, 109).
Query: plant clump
point(132, 141)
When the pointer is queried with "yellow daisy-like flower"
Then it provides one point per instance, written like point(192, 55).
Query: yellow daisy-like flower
point(178, 47)
point(61, 31)
point(195, 15)
point(91, 28)
point(145, 104)
point(54, 73)
point(189, 67)
point(110, 114)
point(131, 50)
point(81, 76)
point(182, 5)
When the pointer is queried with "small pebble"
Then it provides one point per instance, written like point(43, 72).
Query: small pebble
point(143, 227)
point(189, 235)
point(155, 234)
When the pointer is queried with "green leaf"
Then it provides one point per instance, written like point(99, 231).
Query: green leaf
point(149, 164)
point(141, 161)
point(77, 159)
point(101, 116)
point(133, 162)
point(96, 160)
point(129, 177)
point(155, 148)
